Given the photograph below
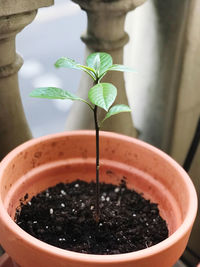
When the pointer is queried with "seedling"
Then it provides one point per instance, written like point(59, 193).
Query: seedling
point(101, 95)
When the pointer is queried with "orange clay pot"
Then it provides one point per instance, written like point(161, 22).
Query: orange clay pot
point(46, 161)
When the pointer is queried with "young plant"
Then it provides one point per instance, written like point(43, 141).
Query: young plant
point(101, 95)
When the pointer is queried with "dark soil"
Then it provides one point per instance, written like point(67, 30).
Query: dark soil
point(63, 216)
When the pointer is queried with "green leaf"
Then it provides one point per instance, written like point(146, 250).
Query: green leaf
point(117, 67)
point(97, 63)
point(53, 93)
point(103, 95)
point(100, 62)
point(65, 62)
point(116, 110)
point(56, 93)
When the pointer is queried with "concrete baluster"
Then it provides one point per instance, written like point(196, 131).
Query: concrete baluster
point(105, 32)
point(14, 16)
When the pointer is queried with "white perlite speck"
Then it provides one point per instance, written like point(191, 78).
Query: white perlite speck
point(51, 211)
point(103, 198)
point(117, 189)
point(62, 239)
point(63, 192)
point(82, 205)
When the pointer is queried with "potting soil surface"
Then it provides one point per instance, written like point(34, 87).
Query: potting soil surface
point(63, 216)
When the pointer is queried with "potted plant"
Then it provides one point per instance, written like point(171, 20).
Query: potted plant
point(125, 164)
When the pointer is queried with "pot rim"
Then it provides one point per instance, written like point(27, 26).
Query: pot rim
point(37, 244)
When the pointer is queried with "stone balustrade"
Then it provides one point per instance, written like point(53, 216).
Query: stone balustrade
point(14, 16)
point(105, 32)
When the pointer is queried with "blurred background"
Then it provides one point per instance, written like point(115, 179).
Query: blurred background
point(41, 44)
point(164, 95)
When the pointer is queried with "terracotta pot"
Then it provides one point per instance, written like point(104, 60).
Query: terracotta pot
point(45, 161)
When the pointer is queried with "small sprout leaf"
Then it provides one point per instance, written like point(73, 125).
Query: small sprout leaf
point(116, 110)
point(65, 62)
point(103, 95)
point(97, 63)
point(117, 67)
point(100, 62)
point(53, 93)
point(56, 93)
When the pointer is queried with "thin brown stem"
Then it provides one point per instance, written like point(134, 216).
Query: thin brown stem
point(97, 215)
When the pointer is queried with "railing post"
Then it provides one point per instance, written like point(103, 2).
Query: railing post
point(105, 32)
point(14, 16)
point(187, 110)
